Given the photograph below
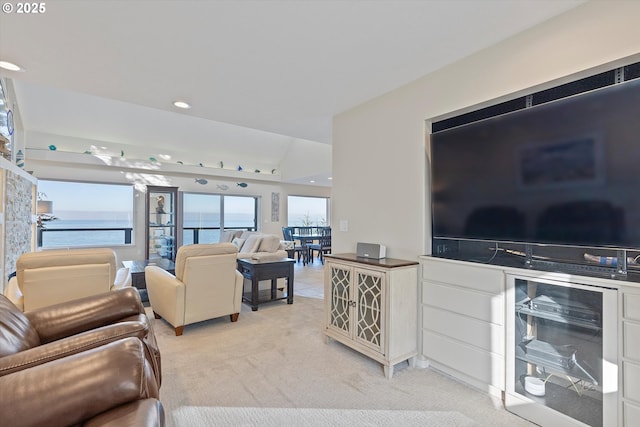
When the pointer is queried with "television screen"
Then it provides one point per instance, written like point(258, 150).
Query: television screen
point(565, 173)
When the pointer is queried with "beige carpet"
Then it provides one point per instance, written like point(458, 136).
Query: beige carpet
point(279, 417)
point(274, 364)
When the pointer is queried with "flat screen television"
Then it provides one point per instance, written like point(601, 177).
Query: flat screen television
point(566, 172)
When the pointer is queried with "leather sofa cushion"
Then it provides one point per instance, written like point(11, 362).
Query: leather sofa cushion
point(16, 332)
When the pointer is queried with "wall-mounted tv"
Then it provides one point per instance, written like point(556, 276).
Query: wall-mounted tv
point(566, 172)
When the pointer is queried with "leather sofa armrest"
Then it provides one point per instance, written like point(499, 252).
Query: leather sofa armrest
point(71, 345)
point(76, 388)
point(76, 316)
point(140, 413)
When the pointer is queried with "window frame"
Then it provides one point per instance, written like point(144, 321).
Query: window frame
point(129, 237)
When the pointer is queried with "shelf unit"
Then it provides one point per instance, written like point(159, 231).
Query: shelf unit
point(564, 333)
point(162, 222)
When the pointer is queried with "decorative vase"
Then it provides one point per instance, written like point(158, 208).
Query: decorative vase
point(20, 159)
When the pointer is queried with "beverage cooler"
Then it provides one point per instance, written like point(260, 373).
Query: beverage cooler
point(562, 352)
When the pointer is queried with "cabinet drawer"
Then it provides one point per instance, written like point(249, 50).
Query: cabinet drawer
point(632, 341)
point(473, 362)
point(484, 335)
point(480, 278)
point(479, 305)
point(631, 414)
point(631, 384)
point(632, 306)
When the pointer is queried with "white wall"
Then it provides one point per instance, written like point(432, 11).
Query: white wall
point(380, 170)
point(45, 169)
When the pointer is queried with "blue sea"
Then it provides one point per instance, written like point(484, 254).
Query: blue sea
point(117, 237)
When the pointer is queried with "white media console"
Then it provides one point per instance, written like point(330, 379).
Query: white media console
point(470, 317)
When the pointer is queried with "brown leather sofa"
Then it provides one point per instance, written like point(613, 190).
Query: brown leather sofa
point(58, 331)
point(109, 385)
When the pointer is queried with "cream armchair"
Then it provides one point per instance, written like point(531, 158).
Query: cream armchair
point(206, 285)
point(54, 276)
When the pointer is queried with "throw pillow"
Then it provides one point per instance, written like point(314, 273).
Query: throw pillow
point(269, 243)
point(122, 278)
point(238, 242)
point(227, 236)
point(251, 244)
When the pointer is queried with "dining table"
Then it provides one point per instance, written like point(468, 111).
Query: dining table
point(304, 240)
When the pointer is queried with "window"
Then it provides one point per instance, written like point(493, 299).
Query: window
point(84, 214)
point(307, 211)
point(204, 215)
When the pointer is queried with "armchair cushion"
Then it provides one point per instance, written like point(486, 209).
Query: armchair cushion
point(54, 276)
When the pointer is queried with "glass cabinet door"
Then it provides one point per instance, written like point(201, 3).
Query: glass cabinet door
point(162, 222)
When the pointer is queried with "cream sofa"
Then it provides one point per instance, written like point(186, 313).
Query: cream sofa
point(55, 276)
point(255, 245)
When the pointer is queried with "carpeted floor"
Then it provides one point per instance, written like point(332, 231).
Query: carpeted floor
point(275, 365)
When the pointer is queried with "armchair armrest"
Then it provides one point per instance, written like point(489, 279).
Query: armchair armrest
point(166, 294)
point(13, 293)
point(73, 389)
point(71, 345)
point(76, 316)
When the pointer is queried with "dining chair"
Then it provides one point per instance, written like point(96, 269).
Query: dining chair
point(287, 233)
point(323, 246)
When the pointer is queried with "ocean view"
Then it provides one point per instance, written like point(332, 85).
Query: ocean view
point(81, 237)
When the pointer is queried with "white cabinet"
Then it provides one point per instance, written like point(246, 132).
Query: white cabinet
point(462, 321)
point(371, 306)
point(630, 355)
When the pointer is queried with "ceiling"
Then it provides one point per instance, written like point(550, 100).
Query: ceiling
point(264, 78)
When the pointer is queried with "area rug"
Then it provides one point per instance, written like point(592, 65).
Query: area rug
point(232, 416)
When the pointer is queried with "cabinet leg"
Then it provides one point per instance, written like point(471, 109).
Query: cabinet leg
point(412, 362)
point(388, 371)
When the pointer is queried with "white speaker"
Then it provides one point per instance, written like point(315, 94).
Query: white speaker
point(371, 250)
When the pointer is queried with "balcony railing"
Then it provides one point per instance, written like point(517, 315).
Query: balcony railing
point(50, 237)
point(84, 236)
point(199, 234)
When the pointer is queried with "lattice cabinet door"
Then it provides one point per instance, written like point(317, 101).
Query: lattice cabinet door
point(369, 312)
point(371, 306)
point(340, 301)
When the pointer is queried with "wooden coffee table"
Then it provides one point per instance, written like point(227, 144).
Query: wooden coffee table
point(256, 270)
point(136, 268)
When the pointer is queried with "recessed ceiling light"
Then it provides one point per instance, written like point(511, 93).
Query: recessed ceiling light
point(10, 66)
point(182, 104)
point(330, 178)
point(312, 181)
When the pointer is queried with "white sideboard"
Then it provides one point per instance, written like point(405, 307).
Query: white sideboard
point(370, 306)
point(463, 329)
point(630, 351)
